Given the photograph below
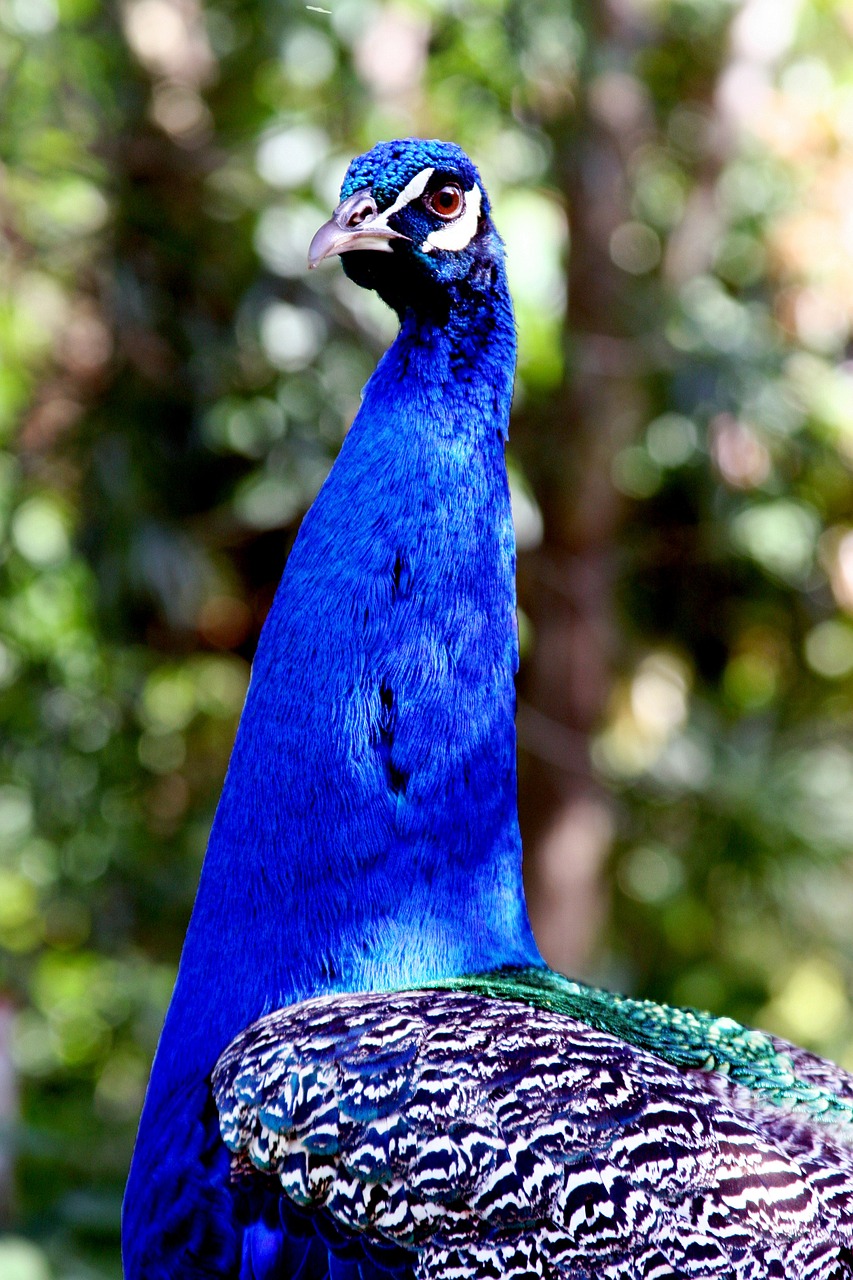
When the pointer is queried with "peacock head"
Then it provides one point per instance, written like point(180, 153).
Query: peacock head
point(414, 223)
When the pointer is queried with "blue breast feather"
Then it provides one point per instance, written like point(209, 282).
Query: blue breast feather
point(501, 1140)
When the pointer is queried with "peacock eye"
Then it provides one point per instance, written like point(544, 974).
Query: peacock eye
point(446, 202)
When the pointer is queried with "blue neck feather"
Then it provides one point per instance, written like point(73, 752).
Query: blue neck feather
point(367, 835)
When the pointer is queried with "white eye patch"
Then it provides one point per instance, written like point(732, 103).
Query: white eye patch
point(410, 192)
point(458, 234)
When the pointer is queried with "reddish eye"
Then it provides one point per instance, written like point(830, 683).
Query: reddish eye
point(447, 202)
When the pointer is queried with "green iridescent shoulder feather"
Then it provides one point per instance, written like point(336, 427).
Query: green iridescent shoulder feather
point(685, 1038)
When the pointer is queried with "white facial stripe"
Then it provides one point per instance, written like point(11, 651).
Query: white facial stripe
point(459, 233)
point(410, 192)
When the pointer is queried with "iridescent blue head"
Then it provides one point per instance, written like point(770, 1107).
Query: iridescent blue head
point(414, 223)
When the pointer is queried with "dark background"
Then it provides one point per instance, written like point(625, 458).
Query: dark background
point(674, 179)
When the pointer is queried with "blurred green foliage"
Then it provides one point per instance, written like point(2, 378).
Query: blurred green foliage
point(673, 180)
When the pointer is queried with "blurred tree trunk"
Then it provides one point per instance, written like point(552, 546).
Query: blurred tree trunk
point(8, 1113)
point(566, 585)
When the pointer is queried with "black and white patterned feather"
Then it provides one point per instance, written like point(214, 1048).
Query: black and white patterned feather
point(492, 1139)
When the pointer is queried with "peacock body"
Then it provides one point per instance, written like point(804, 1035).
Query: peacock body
point(366, 1070)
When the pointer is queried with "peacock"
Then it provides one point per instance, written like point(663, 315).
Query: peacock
point(366, 1071)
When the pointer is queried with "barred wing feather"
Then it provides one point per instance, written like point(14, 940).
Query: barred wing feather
point(473, 1137)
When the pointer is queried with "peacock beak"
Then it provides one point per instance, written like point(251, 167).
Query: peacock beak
point(355, 224)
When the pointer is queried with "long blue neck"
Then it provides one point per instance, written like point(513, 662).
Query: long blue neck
point(367, 834)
